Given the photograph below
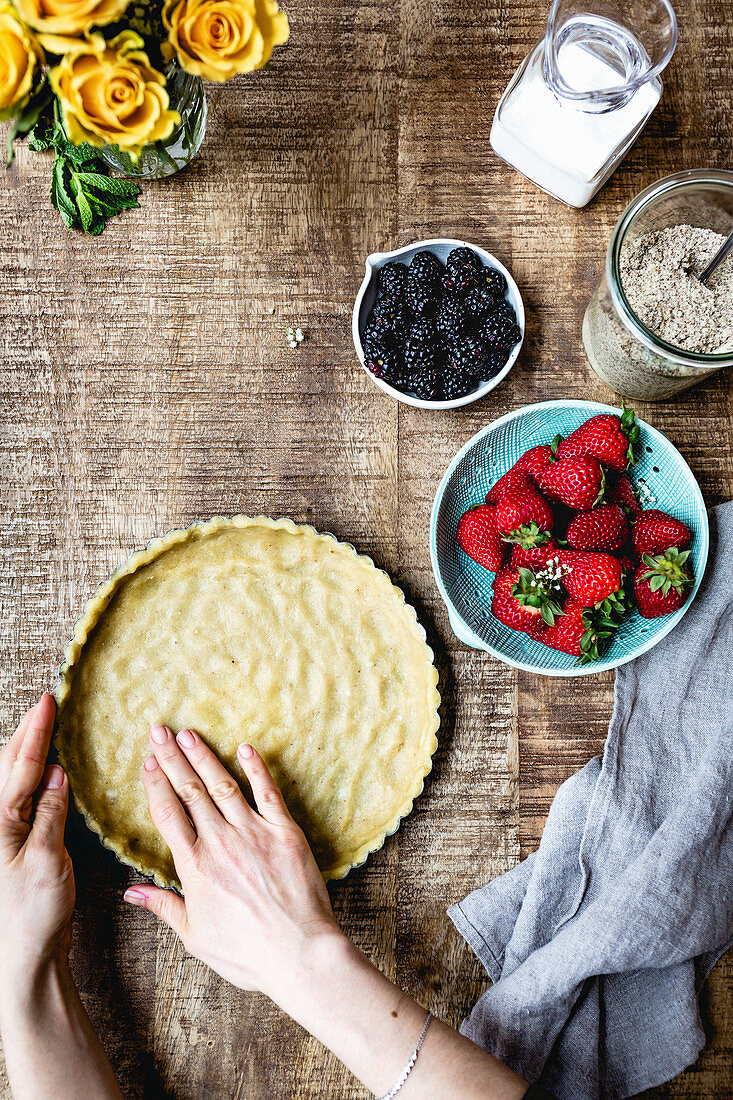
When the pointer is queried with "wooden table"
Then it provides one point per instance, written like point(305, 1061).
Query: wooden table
point(147, 383)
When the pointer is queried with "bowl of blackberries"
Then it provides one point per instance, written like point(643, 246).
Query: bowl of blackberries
point(438, 323)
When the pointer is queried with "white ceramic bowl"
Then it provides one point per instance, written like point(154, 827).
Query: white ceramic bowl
point(368, 293)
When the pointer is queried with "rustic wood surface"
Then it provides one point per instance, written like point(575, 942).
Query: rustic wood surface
point(146, 384)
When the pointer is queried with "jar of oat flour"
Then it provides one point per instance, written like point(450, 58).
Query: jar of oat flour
point(651, 328)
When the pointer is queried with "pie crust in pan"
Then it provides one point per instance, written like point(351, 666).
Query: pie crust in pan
point(258, 630)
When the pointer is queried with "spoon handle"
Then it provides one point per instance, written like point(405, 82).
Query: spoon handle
point(717, 259)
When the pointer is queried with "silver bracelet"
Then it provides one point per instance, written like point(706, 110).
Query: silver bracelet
point(411, 1062)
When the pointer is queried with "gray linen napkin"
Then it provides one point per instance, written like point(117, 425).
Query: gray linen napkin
point(599, 942)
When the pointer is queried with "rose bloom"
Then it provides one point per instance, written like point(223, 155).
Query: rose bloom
point(20, 59)
point(215, 39)
point(72, 17)
point(110, 94)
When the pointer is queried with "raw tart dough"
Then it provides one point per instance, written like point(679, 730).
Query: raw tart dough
point(251, 630)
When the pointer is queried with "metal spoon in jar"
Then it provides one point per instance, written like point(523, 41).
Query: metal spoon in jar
point(717, 259)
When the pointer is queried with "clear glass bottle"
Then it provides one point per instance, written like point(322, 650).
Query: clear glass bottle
point(583, 95)
point(623, 352)
point(165, 158)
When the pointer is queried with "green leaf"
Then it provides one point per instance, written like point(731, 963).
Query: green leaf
point(86, 214)
point(547, 615)
point(27, 117)
point(108, 184)
point(82, 190)
point(60, 197)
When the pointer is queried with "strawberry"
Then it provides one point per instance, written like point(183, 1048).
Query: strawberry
point(568, 630)
point(530, 547)
point(628, 565)
point(532, 462)
point(532, 557)
point(478, 537)
point(590, 577)
point(535, 460)
point(655, 532)
point(579, 631)
point(609, 439)
point(521, 505)
point(577, 481)
point(521, 601)
point(661, 583)
point(604, 528)
point(622, 492)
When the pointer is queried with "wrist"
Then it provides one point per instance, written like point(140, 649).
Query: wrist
point(29, 989)
point(319, 957)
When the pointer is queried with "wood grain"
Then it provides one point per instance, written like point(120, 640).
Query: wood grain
point(145, 384)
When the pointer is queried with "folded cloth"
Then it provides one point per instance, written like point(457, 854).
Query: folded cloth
point(599, 942)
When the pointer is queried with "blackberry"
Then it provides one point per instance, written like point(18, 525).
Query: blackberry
point(424, 284)
point(449, 321)
point(377, 339)
point(468, 356)
point(388, 314)
point(423, 331)
point(495, 360)
point(392, 279)
point(493, 281)
point(388, 365)
point(503, 308)
point(461, 279)
point(425, 384)
point(426, 261)
point(390, 307)
point(500, 333)
point(458, 257)
point(456, 385)
point(421, 355)
point(477, 307)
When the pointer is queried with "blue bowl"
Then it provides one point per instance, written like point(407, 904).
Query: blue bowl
point(665, 481)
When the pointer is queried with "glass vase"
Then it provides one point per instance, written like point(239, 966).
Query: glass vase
point(165, 158)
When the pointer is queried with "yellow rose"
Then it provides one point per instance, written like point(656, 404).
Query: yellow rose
point(69, 16)
point(110, 94)
point(216, 39)
point(20, 58)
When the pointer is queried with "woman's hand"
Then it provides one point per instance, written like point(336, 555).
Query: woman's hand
point(255, 901)
point(49, 1044)
point(257, 911)
point(36, 877)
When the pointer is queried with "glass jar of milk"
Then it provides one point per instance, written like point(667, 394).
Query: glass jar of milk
point(583, 95)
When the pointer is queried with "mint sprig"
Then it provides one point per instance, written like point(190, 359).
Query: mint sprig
point(82, 190)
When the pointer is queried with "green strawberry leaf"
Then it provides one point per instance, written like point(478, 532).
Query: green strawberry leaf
point(631, 430)
point(528, 536)
point(547, 615)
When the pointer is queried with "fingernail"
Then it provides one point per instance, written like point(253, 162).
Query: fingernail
point(159, 734)
point(150, 764)
point(135, 897)
point(54, 777)
point(245, 751)
point(186, 738)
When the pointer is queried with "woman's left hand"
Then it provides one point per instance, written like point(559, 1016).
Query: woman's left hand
point(36, 877)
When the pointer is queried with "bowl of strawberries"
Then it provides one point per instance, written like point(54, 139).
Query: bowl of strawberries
point(568, 537)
